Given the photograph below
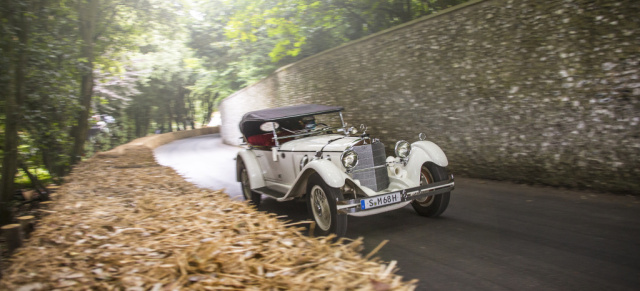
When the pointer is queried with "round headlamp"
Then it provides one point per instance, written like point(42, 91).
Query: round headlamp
point(349, 159)
point(403, 148)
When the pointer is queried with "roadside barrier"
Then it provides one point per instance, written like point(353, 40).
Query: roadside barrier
point(123, 222)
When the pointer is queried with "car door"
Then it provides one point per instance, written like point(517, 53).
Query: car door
point(270, 169)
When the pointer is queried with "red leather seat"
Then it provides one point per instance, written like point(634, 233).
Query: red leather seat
point(265, 139)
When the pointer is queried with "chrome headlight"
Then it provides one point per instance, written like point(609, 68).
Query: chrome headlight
point(349, 159)
point(403, 148)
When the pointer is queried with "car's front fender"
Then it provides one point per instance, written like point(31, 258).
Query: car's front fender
point(253, 168)
point(423, 152)
point(328, 171)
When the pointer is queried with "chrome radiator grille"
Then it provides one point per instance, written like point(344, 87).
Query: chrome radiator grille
point(371, 169)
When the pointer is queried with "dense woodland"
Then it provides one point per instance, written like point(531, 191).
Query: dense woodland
point(80, 76)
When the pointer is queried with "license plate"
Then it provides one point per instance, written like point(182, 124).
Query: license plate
point(381, 200)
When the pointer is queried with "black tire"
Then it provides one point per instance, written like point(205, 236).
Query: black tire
point(432, 206)
point(252, 197)
point(321, 204)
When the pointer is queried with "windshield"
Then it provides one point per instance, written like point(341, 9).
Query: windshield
point(309, 125)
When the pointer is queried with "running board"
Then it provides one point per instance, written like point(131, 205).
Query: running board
point(269, 192)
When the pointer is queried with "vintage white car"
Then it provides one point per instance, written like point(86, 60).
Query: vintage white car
point(292, 152)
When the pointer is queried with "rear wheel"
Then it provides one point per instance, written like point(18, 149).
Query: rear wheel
point(252, 197)
point(321, 203)
point(432, 206)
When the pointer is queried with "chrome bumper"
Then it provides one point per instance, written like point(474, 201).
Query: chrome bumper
point(407, 195)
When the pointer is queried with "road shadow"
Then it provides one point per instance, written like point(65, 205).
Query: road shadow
point(294, 210)
point(385, 224)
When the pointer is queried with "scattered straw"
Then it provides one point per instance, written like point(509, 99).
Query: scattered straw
point(124, 222)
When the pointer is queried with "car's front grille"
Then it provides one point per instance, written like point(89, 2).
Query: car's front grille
point(371, 169)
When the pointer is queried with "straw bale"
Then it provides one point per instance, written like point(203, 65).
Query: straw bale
point(123, 222)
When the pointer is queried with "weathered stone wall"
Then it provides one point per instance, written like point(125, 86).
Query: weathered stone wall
point(538, 91)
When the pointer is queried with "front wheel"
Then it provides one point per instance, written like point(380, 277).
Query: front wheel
point(321, 203)
point(249, 195)
point(432, 206)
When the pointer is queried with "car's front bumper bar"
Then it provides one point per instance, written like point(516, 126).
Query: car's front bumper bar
point(406, 195)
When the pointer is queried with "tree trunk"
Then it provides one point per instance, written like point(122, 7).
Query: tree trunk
point(8, 95)
point(51, 160)
point(13, 236)
point(210, 102)
point(182, 106)
point(170, 118)
point(191, 116)
point(41, 189)
point(146, 120)
point(87, 13)
point(409, 12)
point(13, 108)
point(137, 125)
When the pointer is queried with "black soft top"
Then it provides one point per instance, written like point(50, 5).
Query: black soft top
point(251, 121)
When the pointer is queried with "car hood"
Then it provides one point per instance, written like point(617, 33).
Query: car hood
point(330, 142)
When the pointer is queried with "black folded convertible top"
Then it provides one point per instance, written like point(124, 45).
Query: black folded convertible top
point(251, 121)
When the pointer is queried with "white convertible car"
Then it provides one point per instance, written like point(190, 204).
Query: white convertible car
point(293, 152)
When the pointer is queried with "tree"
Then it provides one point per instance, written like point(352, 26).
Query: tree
point(40, 61)
point(87, 19)
point(242, 41)
point(107, 27)
point(165, 63)
point(51, 86)
point(305, 27)
point(15, 19)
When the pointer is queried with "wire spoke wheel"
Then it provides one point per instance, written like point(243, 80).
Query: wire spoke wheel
point(432, 206)
point(243, 174)
point(246, 186)
point(425, 178)
point(320, 208)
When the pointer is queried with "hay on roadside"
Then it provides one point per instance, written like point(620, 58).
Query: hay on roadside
point(124, 222)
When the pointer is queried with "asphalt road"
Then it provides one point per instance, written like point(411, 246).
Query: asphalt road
point(493, 236)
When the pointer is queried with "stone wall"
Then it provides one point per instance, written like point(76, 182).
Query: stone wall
point(535, 91)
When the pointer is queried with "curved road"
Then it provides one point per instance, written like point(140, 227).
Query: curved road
point(493, 236)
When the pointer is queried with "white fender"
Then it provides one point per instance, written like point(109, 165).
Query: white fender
point(328, 171)
point(253, 168)
point(422, 152)
point(433, 151)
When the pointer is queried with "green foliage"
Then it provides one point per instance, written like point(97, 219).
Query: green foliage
point(23, 181)
point(297, 26)
point(52, 88)
point(240, 42)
